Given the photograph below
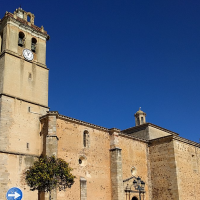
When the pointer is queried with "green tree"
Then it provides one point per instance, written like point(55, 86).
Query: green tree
point(49, 173)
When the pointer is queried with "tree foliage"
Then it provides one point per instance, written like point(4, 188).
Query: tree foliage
point(49, 173)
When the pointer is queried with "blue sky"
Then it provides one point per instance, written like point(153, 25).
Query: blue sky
point(108, 58)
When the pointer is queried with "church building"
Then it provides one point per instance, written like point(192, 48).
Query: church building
point(144, 162)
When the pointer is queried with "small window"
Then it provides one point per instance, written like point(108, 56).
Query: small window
point(1, 42)
point(29, 76)
point(138, 121)
point(21, 39)
point(27, 145)
point(82, 161)
point(86, 139)
point(142, 120)
point(33, 44)
point(28, 18)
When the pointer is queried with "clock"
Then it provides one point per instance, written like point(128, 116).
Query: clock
point(28, 55)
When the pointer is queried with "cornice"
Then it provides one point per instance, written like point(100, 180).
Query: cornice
point(115, 149)
point(22, 23)
point(53, 113)
point(144, 126)
point(19, 154)
point(70, 119)
point(178, 138)
point(112, 130)
point(133, 137)
point(163, 129)
point(135, 128)
point(25, 100)
point(184, 140)
point(73, 120)
point(169, 137)
point(122, 133)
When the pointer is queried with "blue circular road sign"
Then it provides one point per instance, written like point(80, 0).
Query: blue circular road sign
point(14, 194)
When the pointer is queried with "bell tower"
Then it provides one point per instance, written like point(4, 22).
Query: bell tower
point(23, 83)
point(140, 117)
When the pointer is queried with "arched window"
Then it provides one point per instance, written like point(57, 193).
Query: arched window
point(21, 39)
point(85, 139)
point(134, 198)
point(142, 120)
point(28, 18)
point(33, 44)
point(138, 121)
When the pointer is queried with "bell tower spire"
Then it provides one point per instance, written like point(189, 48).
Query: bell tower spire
point(140, 117)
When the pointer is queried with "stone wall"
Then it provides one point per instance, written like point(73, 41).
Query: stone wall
point(51, 138)
point(20, 126)
point(23, 99)
point(134, 162)
point(25, 80)
point(20, 143)
point(83, 189)
point(91, 163)
point(4, 37)
point(116, 174)
point(12, 168)
point(2, 61)
point(163, 169)
point(187, 158)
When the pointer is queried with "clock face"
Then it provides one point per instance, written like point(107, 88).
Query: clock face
point(28, 55)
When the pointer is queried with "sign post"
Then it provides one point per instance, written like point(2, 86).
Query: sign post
point(14, 194)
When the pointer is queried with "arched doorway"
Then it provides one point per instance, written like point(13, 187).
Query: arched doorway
point(134, 198)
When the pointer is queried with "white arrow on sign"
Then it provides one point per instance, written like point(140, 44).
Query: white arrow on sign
point(14, 195)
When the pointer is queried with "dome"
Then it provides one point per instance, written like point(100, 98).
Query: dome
point(140, 112)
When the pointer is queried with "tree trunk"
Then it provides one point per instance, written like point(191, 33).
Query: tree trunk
point(50, 195)
point(41, 195)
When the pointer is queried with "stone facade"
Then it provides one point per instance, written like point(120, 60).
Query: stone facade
point(116, 174)
point(187, 158)
point(23, 99)
point(104, 161)
point(163, 169)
